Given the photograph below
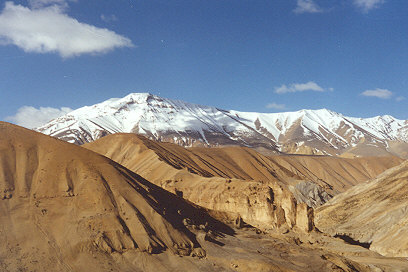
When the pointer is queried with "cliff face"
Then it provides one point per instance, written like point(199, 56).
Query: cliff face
point(265, 206)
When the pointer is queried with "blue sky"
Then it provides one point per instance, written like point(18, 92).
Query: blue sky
point(350, 56)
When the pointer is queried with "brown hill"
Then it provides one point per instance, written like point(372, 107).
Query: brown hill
point(207, 182)
point(62, 206)
point(264, 191)
point(374, 213)
point(146, 157)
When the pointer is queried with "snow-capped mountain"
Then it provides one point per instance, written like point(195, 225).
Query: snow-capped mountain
point(306, 131)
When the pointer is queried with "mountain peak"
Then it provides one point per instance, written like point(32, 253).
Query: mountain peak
point(187, 124)
point(140, 97)
point(322, 111)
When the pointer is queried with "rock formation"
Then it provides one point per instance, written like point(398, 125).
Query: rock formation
point(265, 191)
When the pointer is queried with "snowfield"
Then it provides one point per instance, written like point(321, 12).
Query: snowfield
point(188, 124)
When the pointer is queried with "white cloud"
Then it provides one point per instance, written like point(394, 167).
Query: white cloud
point(49, 30)
point(300, 87)
point(380, 93)
point(108, 18)
point(31, 117)
point(400, 98)
point(307, 6)
point(367, 5)
point(275, 106)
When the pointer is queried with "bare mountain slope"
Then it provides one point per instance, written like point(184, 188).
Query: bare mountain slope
point(65, 208)
point(302, 132)
point(265, 191)
point(160, 161)
point(76, 208)
point(221, 186)
point(375, 213)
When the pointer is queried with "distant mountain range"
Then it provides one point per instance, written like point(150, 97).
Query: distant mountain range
point(319, 132)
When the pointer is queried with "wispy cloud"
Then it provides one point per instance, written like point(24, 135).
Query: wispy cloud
point(307, 6)
point(49, 30)
point(367, 5)
point(400, 98)
point(379, 93)
point(31, 117)
point(300, 87)
point(109, 18)
point(44, 3)
point(275, 106)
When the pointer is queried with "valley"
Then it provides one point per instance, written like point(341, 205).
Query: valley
point(127, 203)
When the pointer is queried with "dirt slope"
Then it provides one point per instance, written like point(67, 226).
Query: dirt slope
point(267, 192)
point(375, 213)
point(65, 202)
point(146, 157)
point(209, 183)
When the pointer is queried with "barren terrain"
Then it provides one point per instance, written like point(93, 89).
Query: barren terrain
point(67, 208)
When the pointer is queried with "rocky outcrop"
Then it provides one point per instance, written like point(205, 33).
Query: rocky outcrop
point(310, 193)
point(265, 206)
point(264, 191)
point(304, 217)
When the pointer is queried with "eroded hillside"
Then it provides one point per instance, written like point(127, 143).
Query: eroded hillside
point(374, 213)
point(65, 208)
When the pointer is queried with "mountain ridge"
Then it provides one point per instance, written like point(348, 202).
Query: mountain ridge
point(162, 163)
point(321, 132)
